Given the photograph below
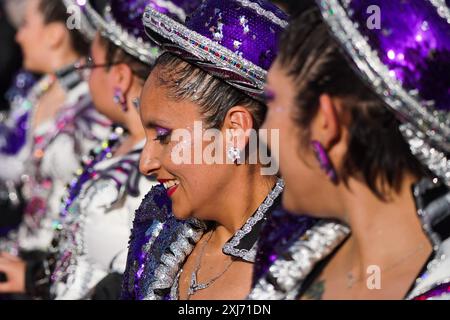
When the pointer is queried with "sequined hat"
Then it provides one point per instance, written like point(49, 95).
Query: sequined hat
point(234, 40)
point(121, 23)
point(402, 48)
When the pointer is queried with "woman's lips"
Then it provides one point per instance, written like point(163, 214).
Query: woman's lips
point(172, 190)
point(171, 185)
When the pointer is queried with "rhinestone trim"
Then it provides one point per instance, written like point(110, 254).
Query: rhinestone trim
point(434, 126)
point(137, 47)
point(249, 255)
point(289, 271)
point(205, 49)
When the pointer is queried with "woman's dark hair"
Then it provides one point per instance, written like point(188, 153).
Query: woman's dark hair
point(214, 96)
point(376, 149)
point(56, 11)
point(115, 54)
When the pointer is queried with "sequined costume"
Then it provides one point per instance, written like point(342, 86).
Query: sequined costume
point(160, 244)
point(90, 248)
point(403, 62)
point(96, 221)
point(12, 139)
point(49, 155)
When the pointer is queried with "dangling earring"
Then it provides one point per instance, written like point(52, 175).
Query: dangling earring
point(120, 99)
point(324, 160)
point(137, 103)
point(234, 154)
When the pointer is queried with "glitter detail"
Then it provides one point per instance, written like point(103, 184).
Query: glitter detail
point(69, 240)
point(433, 125)
point(279, 232)
point(442, 9)
point(290, 269)
point(249, 255)
point(110, 28)
point(214, 49)
point(204, 48)
point(265, 13)
point(172, 8)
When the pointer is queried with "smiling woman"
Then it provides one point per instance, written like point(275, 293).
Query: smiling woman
point(206, 77)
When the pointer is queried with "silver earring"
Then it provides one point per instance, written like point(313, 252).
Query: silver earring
point(234, 154)
point(137, 103)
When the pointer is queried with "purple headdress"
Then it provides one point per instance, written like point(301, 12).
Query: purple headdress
point(121, 23)
point(234, 40)
point(402, 48)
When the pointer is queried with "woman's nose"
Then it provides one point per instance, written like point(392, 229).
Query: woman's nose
point(149, 162)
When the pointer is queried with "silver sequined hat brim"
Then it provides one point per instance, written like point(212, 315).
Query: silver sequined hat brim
point(251, 77)
point(109, 28)
point(427, 131)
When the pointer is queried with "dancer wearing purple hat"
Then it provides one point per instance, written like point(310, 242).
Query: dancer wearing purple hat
point(51, 128)
point(212, 75)
point(89, 250)
point(361, 94)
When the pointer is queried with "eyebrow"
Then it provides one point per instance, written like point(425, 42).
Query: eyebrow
point(152, 124)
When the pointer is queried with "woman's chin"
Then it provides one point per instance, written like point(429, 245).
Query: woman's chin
point(181, 214)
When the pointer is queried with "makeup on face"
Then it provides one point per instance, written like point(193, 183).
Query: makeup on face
point(162, 135)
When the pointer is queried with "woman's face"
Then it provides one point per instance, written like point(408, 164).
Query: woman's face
point(32, 38)
point(102, 83)
point(308, 190)
point(194, 185)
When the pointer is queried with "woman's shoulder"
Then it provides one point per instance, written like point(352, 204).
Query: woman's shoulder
point(279, 232)
point(158, 245)
point(288, 266)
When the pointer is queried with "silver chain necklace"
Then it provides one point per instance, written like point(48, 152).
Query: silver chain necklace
point(194, 285)
point(352, 280)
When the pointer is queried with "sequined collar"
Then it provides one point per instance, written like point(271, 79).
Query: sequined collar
point(160, 245)
point(244, 242)
point(433, 206)
point(287, 274)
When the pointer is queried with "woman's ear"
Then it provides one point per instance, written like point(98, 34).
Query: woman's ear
point(238, 123)
point(122, 77)
point(55, 35)
point(326, 127)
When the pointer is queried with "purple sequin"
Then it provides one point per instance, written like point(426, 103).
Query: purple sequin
point(279, 232)
point(240, 29)
point(414, 42)
point(443, 289)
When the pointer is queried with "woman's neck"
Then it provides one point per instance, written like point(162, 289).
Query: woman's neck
point(60, 61)
point(243, 200)
point(382, 232)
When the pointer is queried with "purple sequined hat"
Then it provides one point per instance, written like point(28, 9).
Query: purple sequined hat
point(402, 48)
point(234, 40)
point(121, 23)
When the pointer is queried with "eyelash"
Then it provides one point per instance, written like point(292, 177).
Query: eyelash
point(162, 135)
